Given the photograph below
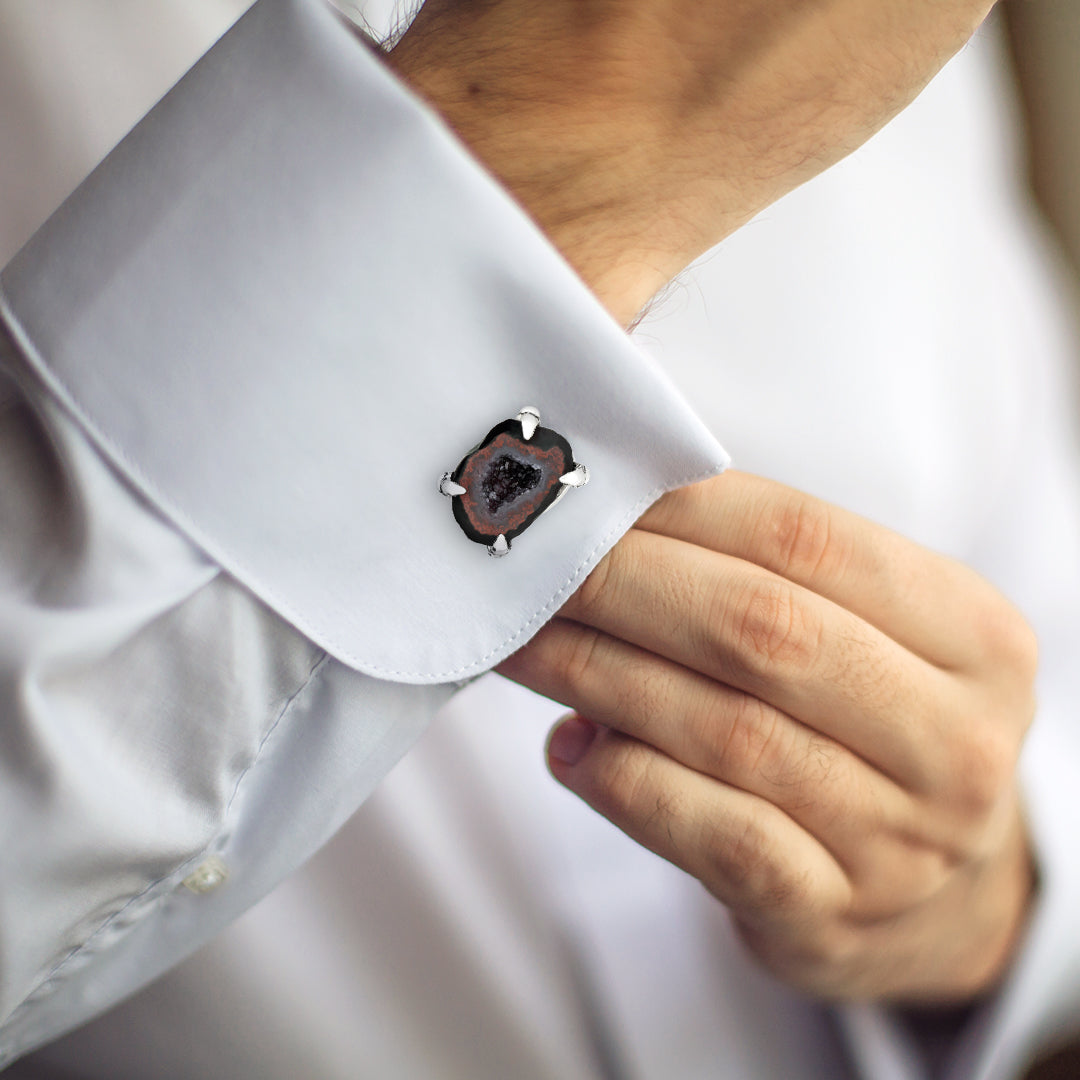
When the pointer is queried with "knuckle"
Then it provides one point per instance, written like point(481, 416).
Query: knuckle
point(1009, 644)
point(901, 877)
point(625, 782)
point(647, 695)
point(982, 769)
point(756, 875)
point(802, 539)
point(661, 816)
point(770, 629)
point(742, 857)
point(759, 743)
point(744, 741)
point(822, 765)
point(823, 762)
point(579, 659)
point(787, 893)
point(740, 738)
point(592, 593)
point(1025, 647)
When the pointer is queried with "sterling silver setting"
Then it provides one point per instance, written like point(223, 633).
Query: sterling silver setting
point(529, 419)
point(449, 488)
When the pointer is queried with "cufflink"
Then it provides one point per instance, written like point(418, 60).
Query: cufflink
point(506, 482)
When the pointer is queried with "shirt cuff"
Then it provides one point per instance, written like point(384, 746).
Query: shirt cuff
point(289, 301)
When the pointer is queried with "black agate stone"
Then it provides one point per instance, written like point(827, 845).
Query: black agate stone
point(509, 481)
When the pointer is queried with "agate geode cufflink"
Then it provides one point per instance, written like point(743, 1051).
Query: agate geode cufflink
point(503, 485)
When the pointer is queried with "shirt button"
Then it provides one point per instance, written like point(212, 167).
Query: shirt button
point(208, 875)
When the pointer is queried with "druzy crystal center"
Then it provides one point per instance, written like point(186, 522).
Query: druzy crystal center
point(507, 479)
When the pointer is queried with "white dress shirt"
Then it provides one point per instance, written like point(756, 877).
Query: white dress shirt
point(233, 598)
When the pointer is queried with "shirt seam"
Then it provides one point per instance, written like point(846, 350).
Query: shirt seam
point(57, 973)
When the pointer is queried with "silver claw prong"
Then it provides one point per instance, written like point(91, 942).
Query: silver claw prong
point(500, 547)
point(448, 487)
point(529, 418)
point(578, 478)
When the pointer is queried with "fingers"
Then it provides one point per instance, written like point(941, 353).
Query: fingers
point(746, 851)
point(714, 730)
point(893, 851)
point(933, 606)
point(800, 653)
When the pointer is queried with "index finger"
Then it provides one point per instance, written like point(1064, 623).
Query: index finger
point(932, 605)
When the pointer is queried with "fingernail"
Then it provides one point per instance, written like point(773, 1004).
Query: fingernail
point(570, 740)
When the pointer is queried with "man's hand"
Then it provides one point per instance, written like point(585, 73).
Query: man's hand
point(639, 133)
point(815, 717)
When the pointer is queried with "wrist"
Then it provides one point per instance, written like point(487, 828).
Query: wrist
point(566, 135)
point(637, 135)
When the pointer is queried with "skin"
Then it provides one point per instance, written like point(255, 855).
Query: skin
point(639, 133)
point(818, 719)
point(813, 716)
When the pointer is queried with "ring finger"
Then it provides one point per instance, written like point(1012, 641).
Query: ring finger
point(715, 730)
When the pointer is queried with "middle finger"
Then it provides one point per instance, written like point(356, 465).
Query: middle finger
point(753, 630)
point(715, 730)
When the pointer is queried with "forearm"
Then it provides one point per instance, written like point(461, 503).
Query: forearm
point(639, 135)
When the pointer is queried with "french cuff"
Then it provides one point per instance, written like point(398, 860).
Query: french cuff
point(289, 301)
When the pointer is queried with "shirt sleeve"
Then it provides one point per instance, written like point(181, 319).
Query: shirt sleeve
point(232, 369)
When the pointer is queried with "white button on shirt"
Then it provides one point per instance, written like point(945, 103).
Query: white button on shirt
point(207, 876)
point(472, 920)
